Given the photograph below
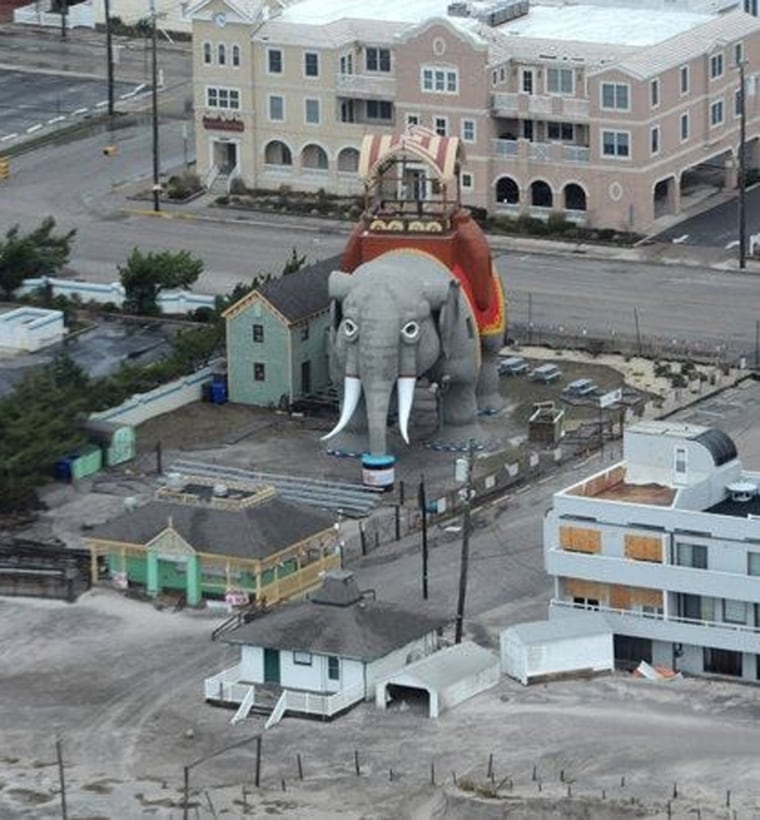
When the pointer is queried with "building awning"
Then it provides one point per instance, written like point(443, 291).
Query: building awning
point(440, 154)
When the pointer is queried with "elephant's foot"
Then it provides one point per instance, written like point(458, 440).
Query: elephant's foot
point(457, 437)
point(490, 404)
point(347, 444)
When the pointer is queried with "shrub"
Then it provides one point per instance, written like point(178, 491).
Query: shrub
point(183, 185)
point(238, 187)
point(222, 200)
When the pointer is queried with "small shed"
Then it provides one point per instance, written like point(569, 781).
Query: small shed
point(547, 424)
point(116, 440)
point(445, 678)
point(84, 462)
point(572, 644)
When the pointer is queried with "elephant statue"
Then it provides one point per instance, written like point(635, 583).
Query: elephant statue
point(394, 319)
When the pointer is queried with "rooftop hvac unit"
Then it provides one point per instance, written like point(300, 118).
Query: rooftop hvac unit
point(502, 12)
point(459, 10)
point(175, 481)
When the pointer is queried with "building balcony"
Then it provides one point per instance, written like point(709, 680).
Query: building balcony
point(532, 106)
point(550, 152)
point(671, 629)
point(366, 86)
point(607, 569)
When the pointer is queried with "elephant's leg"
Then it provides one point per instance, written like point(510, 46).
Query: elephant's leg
point(354, 438)
point(489, 396)
point(459, 412)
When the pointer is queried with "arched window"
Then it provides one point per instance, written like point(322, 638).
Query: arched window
point(277, 153)
point(207, 53)
point(575, 197)
point(507, 191)
point(348, 160)
point(236, 56)
point(540, 194)
point(221, 54)
point(313, 156)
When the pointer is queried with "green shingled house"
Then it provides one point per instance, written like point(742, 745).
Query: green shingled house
point(276, 339)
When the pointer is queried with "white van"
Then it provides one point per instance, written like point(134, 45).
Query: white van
point(546, 373)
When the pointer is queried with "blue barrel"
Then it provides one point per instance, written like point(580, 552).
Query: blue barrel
point(378, 471)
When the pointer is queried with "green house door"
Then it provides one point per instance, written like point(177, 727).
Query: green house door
point(271, 666)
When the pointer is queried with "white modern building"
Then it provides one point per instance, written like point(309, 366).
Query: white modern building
point(665, 544)
point(599, 112)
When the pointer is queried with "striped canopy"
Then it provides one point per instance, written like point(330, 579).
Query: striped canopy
point(440, 154)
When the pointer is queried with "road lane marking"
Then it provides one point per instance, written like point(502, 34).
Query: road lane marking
point(79, 111)
point(33, 128)
point(101, 103)
point(55, 120)
point(9, 137)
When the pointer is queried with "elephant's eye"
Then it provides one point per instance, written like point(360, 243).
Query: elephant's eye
point(350, 328)
point(410, 331)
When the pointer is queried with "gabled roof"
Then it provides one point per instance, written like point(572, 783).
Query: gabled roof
point(366, 630)
point(702, 39)
point(295, 296)
point(254, 532)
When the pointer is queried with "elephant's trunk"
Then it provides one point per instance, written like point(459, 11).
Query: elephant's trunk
point(377, 397)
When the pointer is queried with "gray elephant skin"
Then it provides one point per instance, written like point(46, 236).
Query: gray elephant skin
point(395, 319)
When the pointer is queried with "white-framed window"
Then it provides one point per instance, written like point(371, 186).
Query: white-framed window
point(734, 612)
point(333, 667)
point(441, 126)
point(654, 92)
point(527, 81)
point(563, 131)
point(439, 80)
point(228, 98)
point(221, 54)
point(560, 81)
point(259, 372)
point(468, 183)
point(311, 112)
point(691, 555)
point(276, 108)
point(311, 64)
point(207, 53)
point(716, 113)
point(346, 64)
point(616, 144)
point(379, 110)
point(377, 59)
point(654, 139)
point(738, 102)
point(753, 563)
point(494, 77)
point(236, 56)
point(469, 130)
point(683, 79)
point(616, 96)
point(738, 53)
point(502, 74)
point(680, 461)
point(683, 126)
point(274, 61)
point(302, 658)
point(716, 65)
point(412, 119)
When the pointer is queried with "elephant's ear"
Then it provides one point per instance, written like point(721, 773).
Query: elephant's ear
point(449, 318)
point(339, 284)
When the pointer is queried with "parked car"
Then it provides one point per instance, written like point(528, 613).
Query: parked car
point(546, 373)
point(513, 366)
point(580, 388)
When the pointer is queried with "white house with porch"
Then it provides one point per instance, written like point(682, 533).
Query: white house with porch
point(322, 655)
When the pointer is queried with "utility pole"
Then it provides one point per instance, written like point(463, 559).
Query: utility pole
point(64, 14)
point(109, 56)
point(465, 558)
point(61, 778)
point(423, 510)
point(154, 96)
point(742, 171)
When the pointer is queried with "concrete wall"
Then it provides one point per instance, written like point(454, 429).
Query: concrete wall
point(163, 399)
point(30, 328)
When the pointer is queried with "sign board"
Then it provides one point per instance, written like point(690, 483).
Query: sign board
point(610, 398)
point(237, 598)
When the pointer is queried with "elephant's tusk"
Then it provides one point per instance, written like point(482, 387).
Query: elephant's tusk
point(405, 392)
point(352, 391)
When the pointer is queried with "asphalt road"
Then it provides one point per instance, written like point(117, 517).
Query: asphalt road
point(31, 101)
point(718, 227)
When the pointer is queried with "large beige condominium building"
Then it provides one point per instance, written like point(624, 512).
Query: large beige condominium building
point(594, 111)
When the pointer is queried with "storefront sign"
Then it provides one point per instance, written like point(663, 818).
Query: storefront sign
point(221, 124)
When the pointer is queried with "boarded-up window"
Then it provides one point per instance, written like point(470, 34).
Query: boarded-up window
point(644, 548)
point(624, 597)
point(575, 588)
point(580, 539)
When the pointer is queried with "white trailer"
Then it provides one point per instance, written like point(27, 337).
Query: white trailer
point(574, 644)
